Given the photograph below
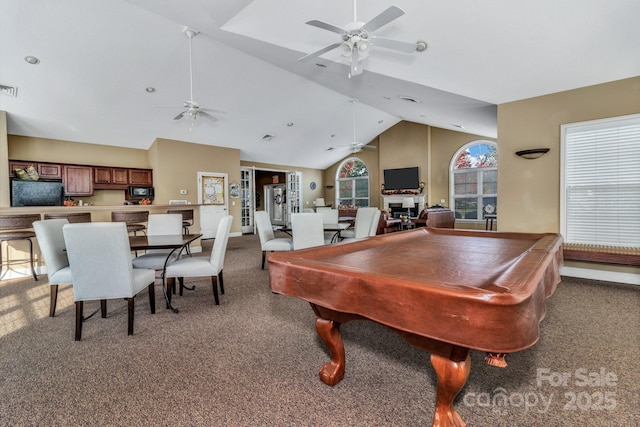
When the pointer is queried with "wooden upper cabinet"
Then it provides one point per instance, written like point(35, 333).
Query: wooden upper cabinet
point(45, 170)
point(81, 180)
point(120, 176)
point(50, 170)
point(141, 177)
point(105, 177)
point(78, 180)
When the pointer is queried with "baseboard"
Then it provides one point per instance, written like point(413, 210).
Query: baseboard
point(608, 276)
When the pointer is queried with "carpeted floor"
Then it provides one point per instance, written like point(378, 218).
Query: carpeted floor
point(254, 361)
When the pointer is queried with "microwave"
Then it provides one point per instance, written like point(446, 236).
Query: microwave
point(137, 192)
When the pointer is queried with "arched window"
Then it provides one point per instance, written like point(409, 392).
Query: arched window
point(352, 182)
point(474, 180)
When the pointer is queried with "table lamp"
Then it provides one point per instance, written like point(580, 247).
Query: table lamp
point(408, 203)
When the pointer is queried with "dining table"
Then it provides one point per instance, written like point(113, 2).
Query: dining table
point(175, 242)
point(337, 228)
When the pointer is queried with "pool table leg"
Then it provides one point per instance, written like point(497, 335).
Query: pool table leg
point(451, 378)
point(332, 372)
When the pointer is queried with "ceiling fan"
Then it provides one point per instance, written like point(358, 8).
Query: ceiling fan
point(357, 41)
point(192, 109)
point(354, 146)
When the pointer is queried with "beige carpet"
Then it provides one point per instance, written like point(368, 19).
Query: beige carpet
point(254, 361)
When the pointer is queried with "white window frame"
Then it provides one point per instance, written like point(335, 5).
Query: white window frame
point(338, 180)
point(612, 216)
point(480, 195)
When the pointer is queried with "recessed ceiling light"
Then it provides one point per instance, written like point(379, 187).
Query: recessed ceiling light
point(380, 121)
point(32, 60)
point(150, 89)
point(421, 46)
point(457, 126)
point(267, 137)
point(290, 124)
point(320, 65)
point(330, 149)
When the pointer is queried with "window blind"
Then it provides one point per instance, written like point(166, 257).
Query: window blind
point(601, 180)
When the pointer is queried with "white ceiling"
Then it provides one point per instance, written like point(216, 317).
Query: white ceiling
point(97, 57)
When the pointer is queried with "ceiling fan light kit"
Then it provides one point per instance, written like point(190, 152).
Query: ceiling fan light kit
point(356, 41)
point(192, 110)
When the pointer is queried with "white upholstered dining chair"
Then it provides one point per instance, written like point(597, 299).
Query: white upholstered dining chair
point(365, 218)
point(100, 260)
point(159, 225)
point(201, 266)
point(51, 242)
point(268, 241)
point(307, 230)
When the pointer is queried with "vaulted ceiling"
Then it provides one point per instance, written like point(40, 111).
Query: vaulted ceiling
point(98, 58)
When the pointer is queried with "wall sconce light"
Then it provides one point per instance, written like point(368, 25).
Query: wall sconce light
point(533, 153)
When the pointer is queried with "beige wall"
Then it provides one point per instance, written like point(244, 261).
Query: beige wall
point(53, 150)
point(529, 190)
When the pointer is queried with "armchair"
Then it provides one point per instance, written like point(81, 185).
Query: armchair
point(436, 218)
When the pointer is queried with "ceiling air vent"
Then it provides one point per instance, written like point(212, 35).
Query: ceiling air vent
point(9, 90)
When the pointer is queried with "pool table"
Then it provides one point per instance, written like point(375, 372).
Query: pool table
point(444, 291)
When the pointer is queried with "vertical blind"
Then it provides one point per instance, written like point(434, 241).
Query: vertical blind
point(601, 180)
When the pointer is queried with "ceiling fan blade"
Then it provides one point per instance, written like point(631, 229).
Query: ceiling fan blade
point(394, 44)
point(327, 26)
point(320, 52)
point(213, 110)
point(207, 115)
point(179, 116)
point(383, 18)
point(369, 147)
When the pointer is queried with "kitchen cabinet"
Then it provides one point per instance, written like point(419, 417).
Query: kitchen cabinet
point(141, 177)
point(45, 170)
point(82, 180)
point(106, 178)
point(78, 180)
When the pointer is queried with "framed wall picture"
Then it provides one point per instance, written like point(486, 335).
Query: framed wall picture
point(213, 190)
point(234, 190)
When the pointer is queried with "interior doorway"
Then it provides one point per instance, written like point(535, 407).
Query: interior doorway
point(258, 181)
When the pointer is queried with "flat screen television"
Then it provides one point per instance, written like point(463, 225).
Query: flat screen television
point(36, 193)
point(401, 179)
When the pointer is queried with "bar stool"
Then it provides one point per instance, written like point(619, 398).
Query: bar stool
point(187, 221)
point(18, 227)
point(70, 216)
point(133, 219)
point(489, 219)
point(187, 218)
